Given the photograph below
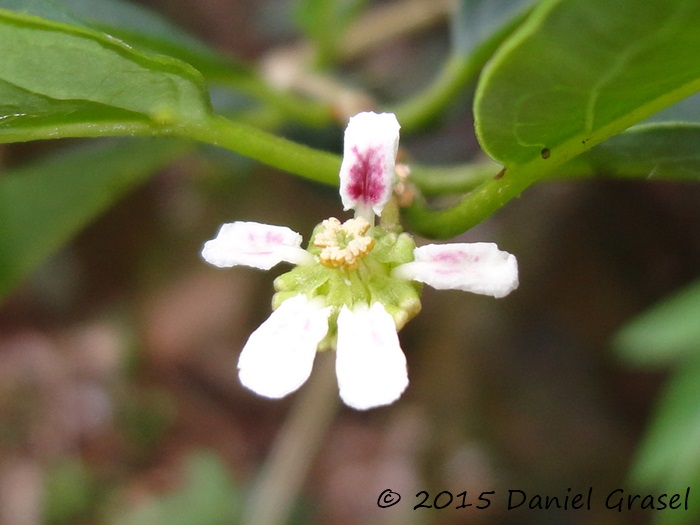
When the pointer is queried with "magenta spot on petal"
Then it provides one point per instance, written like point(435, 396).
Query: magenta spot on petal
point(366, 182)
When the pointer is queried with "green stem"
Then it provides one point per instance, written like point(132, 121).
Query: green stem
point(278, 152)
point(488, 197)
point(446, 180)
point(472, 209)
point(80, 129)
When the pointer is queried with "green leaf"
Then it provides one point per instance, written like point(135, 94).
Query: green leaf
point(665, 146)
point(668, 456)
point(44, 204)
point(667, 332)
point(579, 71)
point(148, 31)
point(659, 151)
point(63, 80)
point(42, 9)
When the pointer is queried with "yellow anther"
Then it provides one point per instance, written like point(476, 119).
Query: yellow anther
point(343, 245)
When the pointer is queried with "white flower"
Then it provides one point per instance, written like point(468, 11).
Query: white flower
point(370, 364)
point(369, 154)
point(279, 355)
point(478, 268)
point(352, 287)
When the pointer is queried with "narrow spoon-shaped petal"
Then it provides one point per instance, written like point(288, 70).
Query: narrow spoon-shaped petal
point(370, 364)
point(254, 244)
point(369, 156)
point(279, 355)
point(479, 268)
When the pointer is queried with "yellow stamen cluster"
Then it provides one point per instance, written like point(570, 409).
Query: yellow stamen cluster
point(343, 245)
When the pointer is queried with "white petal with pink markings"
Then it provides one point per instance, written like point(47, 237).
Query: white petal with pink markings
point(369, 156)
point(254, 244)
point(477, 267)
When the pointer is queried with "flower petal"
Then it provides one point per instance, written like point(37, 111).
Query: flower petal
point(370, 364)
point(279, 355)
point(367, 171)
point(479, 268)
point(253, 244)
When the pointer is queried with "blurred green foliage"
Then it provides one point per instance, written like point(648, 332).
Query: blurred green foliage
point(64, 193)
point(668, 335)
point(70, 493)
point(206, 496)
point(558, 85)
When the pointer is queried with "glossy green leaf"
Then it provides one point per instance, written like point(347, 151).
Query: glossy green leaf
point(668, 331)
point(44, 204)
point(579, 71)
point(63, 80)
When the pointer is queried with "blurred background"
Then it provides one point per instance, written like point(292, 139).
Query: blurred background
point(119, 398)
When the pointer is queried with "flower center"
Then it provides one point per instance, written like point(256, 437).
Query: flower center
point(343, 245)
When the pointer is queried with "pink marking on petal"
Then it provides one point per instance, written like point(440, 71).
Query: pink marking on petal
point(274, 238)
point(451, 257)
point(366, 176)
point(263, 243)
point(453, 261)
point(455, 257)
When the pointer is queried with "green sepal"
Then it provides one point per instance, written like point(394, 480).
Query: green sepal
point(392, 248)
point(308, 280)
point(400, 298)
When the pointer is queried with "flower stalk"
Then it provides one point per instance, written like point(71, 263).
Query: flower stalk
point(282, 476)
